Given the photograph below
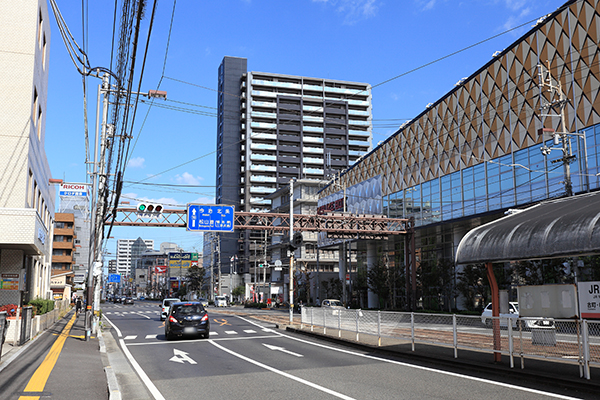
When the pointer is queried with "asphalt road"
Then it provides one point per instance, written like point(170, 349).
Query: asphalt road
point(244, 358)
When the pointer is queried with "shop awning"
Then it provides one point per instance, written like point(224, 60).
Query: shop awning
point(563, 227)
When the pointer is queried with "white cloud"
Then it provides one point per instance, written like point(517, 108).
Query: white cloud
point(136, 162)
point(204, 200)
point(188, 179)
point(354, 10)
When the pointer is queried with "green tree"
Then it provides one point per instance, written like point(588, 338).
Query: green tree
point(472, 282)
point(196, 277)
point(332, 288)
point(378, 278)
point(239, 291)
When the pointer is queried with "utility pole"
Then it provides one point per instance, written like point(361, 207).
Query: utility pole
point(255, 283)
point(291, 288)
point(219, 262)
point(99, 188)
point(555, 108)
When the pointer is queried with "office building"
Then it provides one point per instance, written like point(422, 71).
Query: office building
point(274, 127)
point(27, 196)
point(74, 198)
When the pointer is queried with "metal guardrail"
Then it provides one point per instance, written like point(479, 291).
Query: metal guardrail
point(569, 341)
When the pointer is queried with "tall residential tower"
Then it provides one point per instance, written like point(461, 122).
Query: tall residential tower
point(272, 128)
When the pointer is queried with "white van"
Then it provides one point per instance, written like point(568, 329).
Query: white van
point(220, 301)
point(166, 305)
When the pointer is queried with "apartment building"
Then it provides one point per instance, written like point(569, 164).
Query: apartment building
point(275, 127)
point(125, 250)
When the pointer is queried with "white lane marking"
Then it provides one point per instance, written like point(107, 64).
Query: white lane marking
point(282, 349)
point(285, 374)
point(130, 337)
point(249, 331)
point(114, 326)
point(153, 390)
point(231, 332)
point(181, 357)
point(145, 316)
point(151, 336)
point(229, 339)
point(453, 374)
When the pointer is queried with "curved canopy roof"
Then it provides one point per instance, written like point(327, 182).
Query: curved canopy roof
point(557, 228)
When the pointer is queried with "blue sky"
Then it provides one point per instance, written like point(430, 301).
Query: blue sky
point(367, 41)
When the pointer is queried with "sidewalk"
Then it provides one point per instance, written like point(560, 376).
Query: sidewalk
point(78, 371)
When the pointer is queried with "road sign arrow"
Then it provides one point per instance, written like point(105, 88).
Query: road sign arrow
point(282, 349)
point(181, 357)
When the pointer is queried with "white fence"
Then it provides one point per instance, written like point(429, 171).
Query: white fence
point(570, 341)
point(34, 325)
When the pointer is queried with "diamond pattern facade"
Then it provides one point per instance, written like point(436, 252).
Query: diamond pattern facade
point(496, 111)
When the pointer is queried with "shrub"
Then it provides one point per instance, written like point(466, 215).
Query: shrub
point(11, 309)
point(42, 306)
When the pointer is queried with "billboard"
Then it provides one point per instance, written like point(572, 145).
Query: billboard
point(74, 189)
point(183, 260)
point(550, 301)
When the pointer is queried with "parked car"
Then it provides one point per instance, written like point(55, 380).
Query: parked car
point(334, 305)
point(187, 318)
point(166, 304)
point(203, 301)
point(128, 300)
point(117, 299)
point(514, 316)
point(220, 301)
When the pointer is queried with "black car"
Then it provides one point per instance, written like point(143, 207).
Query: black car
point(117, 299)
point(128, 300)
point(187, 318)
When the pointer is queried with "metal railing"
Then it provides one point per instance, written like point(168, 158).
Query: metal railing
point(568, 341)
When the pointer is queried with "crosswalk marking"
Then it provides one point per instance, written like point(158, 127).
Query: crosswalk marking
point(130, 337)
point(249, 331)
point(151, 336)
point(231, 332)
point(213, 333)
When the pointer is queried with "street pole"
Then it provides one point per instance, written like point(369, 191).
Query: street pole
point(100, 176)
point(291, 288)
point(255, 285)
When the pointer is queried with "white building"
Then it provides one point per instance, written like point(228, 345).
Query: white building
point(26, 195)
point(124, 254)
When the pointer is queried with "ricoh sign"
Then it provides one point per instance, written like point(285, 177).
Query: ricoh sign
point(74, 189)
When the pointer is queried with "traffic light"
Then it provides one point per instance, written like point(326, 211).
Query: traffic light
point(150, 208)
point(296, 241)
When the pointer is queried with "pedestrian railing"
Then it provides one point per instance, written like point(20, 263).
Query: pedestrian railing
point(570, 341)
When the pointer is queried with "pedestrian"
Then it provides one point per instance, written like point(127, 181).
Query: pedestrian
point(78, 306)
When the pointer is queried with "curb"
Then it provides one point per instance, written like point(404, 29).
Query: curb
point(114, 392)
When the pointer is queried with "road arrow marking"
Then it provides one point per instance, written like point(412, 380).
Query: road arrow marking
point(271, 347)
point(181, 357)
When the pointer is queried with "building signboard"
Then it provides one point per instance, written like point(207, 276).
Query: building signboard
point(213, 218)
point(9, 282)
point(74, 189)
point(589, 299)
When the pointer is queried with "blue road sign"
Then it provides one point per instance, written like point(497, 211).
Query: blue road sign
point(114, 278)
point(210, 218)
